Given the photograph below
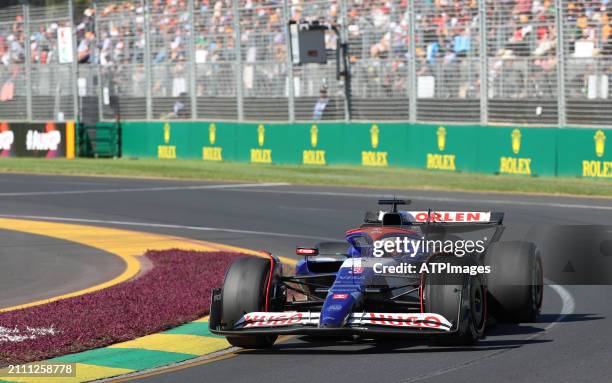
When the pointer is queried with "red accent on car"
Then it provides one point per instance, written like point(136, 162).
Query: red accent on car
point(266, 307)
point(305, 251)
point(340, 296)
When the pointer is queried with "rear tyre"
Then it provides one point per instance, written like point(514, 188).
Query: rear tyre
point(244, 290)
point(442, 297)
point(516, 282)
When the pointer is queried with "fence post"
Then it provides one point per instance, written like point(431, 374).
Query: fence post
point(147, 60)
point(562, 118)
point(97, 63)
point(28, 60)
point(290, 85)
point(412, 64)
point(343, 38)
point(192, 66)
point(238, 48)
point(74, 65)
point(484, 69)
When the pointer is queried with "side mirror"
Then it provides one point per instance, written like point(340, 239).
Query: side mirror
point(307, 251)
point(335, 248)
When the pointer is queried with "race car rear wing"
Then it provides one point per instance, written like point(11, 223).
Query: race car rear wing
point(423, 217)
point(462, 217)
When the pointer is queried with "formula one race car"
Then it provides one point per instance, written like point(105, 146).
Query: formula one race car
point(370, 287)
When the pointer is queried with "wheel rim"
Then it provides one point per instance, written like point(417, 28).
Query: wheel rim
point(537, 286)
point(477, 305)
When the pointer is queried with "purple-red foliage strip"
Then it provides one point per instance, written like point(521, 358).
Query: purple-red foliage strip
point(175, 291)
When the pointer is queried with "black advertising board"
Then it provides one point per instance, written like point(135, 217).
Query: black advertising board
point(47, 140)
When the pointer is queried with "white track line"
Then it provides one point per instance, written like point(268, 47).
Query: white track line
point(166, 226)
point(435, 199)
point(567, 308)
point(248, 188)
point(148, 189)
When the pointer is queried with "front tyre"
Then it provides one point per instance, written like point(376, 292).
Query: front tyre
point(245, 289)
point(460, 298)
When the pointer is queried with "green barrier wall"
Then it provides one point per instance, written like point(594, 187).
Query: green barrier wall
point(585, 153)
point(579, 152)
point(526, 151)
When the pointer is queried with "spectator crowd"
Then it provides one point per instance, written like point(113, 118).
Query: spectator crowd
point(521, 44)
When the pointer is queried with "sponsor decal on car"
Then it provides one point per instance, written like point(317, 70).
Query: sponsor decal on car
point(277, 319)
point(418, 320)
point(447, 216)
point(353, 265)
point(290, 318)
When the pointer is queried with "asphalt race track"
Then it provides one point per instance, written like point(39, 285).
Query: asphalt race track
point(570, 343)
point(32, 266)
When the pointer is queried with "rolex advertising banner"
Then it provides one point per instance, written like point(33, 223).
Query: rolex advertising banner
point(320, 144)
point(267, 144)
point(377, 145)
point(520, 151)
point(46, 140)
point(449, 148)
point(585, 153)
point(141, 139)
point(171, 140)
point(218, 141)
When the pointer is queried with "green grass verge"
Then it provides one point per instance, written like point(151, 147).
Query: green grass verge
point(330, 175)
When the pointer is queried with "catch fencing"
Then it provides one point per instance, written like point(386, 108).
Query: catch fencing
point(534, 62)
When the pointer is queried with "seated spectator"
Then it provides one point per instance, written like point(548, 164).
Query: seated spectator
point(321, 105)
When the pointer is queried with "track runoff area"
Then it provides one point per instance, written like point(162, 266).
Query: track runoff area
point(279, 217)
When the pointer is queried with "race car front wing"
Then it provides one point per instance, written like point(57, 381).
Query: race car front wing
point(307, 323)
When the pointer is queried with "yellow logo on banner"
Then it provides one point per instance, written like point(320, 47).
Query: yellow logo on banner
point(313, 157)
point(166, 151)
point(261, 156)
point(314, 133)
point(594, 168)
point(515, 165)
point(261, 134)
point(212, 133)
point(212, 153)
point(440, 161)
point(600, 143)
point(516, 141)
point(166, 133)
point(373, 157)
point(374, 131)
point(441, 133)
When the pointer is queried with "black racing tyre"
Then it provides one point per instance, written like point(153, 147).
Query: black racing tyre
point(516, 282)
point(244, 291)
point(441, 296)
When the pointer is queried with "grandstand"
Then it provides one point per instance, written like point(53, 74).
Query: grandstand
point(541, 62)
